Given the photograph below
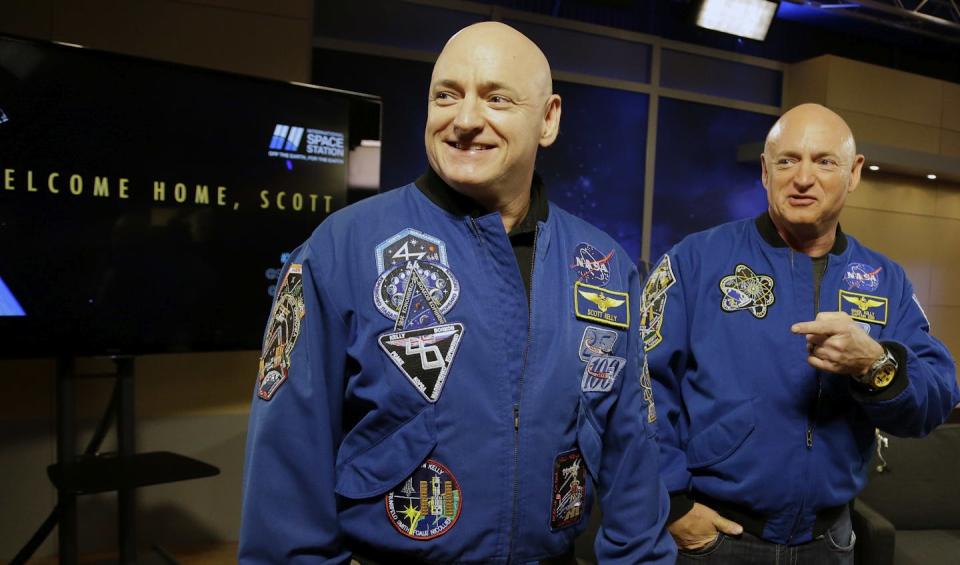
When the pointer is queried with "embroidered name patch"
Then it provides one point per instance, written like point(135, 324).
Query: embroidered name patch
point(601, 305)
point(746, 290)
point(591, 265)
point(410, 245)
point(597, 341)
point(283, 329)
point(424, 356)
point(569, 488)
point(428, 503)
point(653, 303)
point(864, 307)
point(601, 372)
point(862, 277)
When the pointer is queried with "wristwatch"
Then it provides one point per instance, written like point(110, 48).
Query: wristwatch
point(881, 373)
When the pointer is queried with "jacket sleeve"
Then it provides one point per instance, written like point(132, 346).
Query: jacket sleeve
point(924, 390)
point(664, 322)
point(289, 507)
point(633, 499)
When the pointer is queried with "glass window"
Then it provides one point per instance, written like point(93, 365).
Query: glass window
point(595, 169)
point(699, 183)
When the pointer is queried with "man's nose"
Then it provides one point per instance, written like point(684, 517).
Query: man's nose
point(469, 116)
point(806, 175)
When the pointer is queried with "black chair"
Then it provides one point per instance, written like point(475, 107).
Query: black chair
point(909, 513)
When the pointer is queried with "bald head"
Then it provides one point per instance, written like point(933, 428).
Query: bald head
point(809, 120)
point(497, 44)
point(491, 107)
point(809, 166)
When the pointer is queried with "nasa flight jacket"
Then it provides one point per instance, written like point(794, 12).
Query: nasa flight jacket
point(410, 407)
point(743, 418)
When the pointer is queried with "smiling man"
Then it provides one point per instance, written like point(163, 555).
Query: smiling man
point(776, 346)
point(451, 371)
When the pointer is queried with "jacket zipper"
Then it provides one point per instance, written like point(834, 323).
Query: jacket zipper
point(812, 419)
point(812, 423)
point(516, 407)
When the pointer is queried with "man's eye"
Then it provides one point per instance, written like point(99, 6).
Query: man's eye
point(827, 163)
point(784, 162)
point(498, 99)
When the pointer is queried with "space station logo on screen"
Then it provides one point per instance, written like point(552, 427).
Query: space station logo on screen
point(321, 146)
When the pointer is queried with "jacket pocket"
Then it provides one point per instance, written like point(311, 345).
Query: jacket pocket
point(720, 439)
point(588, 439)
point(384, 464)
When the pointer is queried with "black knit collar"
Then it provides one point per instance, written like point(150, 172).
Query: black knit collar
point(441, 194)
point(769, 233)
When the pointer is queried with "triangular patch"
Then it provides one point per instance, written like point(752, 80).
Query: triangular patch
point(424, 355)
point(418, 310)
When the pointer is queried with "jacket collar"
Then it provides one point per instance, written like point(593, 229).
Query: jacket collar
point(768, 231)
point(441, 194)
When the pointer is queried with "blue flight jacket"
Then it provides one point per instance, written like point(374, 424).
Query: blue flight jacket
point(744, 418)
point(368, 435)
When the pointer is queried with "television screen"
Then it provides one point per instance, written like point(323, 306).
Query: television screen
point(148, 207)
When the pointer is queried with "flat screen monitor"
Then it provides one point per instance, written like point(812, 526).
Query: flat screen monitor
point(147, 207)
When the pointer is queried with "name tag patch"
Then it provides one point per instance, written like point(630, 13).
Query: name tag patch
point(601, 305)
point(864, 307)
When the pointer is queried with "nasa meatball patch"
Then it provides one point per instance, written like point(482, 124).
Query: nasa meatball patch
point(283, 329)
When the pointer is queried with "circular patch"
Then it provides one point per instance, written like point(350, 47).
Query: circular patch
point(862, 277)
point(427, 504)
point(442, 286)
point(591, 265)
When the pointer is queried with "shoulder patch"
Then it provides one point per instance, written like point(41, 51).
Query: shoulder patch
point(283, 329)
point(653, 303)
point(609, 307)
point(428, 503)
point(746, 290)
point(864, 307)
point(648, 392)
point(917, 302)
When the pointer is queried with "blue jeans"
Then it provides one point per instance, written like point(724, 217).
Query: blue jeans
point(835, 547)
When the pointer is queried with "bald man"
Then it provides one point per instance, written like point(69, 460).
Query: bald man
point(452, 371)
point(777, 345)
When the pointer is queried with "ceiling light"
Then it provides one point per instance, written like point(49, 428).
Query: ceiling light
point(745, 18)
point(874, 168)
point(932, 177)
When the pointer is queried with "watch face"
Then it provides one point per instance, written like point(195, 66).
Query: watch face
point(883, 377)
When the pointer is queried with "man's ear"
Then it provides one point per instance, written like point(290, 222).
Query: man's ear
point(855, 173)
point(551, 121)
point(764, 172)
